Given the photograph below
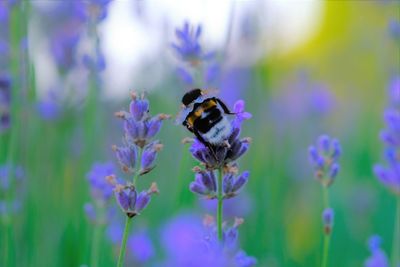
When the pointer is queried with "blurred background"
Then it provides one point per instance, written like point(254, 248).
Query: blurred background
point(303, 67)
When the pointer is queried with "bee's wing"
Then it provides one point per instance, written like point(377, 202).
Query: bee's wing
point(181, 116)
point(210, 92)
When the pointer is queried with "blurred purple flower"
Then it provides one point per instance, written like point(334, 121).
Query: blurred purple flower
point(187, 46)
point(5, 98)
point(302, 99)
point(394, 29)
point(95, 63)
point(394, 90)
point(389, 176)
point(140, 247)
point(233, 84)
point(185, 75)
point(390, 136)
point(64, 43)
point(190, 244)
point(378, 257)
point(324, 158)
point(100, 189)
point(12, 188)
point(99, 211)
point(212, 72)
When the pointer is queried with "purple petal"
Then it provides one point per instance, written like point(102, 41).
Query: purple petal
point(142, 201)
point(241, 181)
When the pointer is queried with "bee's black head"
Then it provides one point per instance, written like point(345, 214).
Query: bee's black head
point(191, 96)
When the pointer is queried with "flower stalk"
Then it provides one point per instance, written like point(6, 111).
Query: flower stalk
point(396, 236)
point(136, 157)
point(220, 204)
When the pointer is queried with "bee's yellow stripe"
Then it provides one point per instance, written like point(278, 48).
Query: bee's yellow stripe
point(197, 114)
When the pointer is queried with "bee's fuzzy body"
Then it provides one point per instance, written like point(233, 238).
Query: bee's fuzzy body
point(204, 115)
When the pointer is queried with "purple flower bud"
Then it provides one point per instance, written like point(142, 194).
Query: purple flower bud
point(241, 181)
point(149, 156)
point(324, 143)
point(337, 150)
point(142, 201)
point(209, 181)
point(198, 188)
point(327, 219)
point(328, 216)
point(334, 171)
point(231, 184)
point(204, 184)
point(126, 199)
point(313, 154)
point(227, 183)
point(139, 108)
point(126, 157)
point(374, 243)
point(154, 126)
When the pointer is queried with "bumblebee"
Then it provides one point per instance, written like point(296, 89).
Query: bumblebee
point(204, 115)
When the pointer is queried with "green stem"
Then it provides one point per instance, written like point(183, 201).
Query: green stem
point(123, 244)
point(327, 236)
point(396, 236)
point(220, 201)
point(6, 239)
point(128, 219)
point(95, 245)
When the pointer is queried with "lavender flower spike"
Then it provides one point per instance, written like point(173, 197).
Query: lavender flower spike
point(389, 176)
point(378, 257)
point(188, 46)
point(139, 126)
point(324, 159)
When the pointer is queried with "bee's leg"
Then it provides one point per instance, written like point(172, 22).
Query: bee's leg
point(224, 107)
point(204, 142)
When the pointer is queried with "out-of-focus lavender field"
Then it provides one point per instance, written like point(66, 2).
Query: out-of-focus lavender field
point(93, 170)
